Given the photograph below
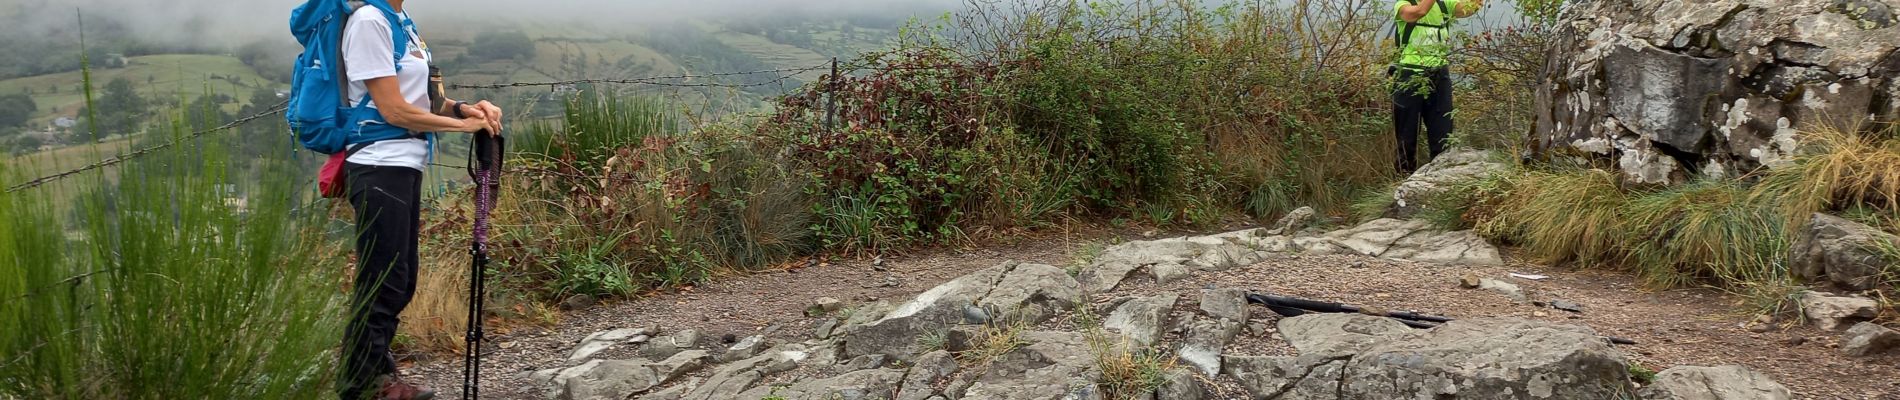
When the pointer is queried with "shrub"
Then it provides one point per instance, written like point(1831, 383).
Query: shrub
point(1169, 111)
point(612, 200)
point(169, 286)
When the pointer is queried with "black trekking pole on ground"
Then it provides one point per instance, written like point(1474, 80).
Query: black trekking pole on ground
point(1294, 307)
point(484, 170)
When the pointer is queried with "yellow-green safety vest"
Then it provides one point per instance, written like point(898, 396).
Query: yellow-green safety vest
point(1425, 44)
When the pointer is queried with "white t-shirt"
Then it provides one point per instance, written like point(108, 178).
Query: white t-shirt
point(369, 53)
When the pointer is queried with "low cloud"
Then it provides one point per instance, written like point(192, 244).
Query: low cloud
point(227, 22)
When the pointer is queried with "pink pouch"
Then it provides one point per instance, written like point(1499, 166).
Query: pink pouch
point(331, 180)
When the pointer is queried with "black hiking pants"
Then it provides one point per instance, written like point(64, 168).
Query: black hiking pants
point(388, 220)
point(1410, 107)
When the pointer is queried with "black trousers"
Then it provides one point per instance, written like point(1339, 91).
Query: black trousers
point(1410, 107)
point(388, 220)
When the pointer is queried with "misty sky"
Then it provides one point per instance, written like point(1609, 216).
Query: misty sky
point(240, 21)
point(197, 19)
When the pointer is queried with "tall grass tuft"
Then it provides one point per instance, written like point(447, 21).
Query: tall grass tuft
point(1562, 216)
point(594, 125)
point(1835, 169)
point(1706, 231)
point(172, 281)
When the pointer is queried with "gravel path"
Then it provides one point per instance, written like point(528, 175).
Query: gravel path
point(1679, 327)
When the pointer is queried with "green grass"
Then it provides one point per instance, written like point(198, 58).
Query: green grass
point(1563, 216)
point(1706, 231)
point(159, 76)
point(162, 287)
point(776, 54)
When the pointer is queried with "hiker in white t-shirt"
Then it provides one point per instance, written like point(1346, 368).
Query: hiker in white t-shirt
point(385, 187)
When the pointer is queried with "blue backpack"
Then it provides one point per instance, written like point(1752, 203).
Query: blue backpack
point(318, 112)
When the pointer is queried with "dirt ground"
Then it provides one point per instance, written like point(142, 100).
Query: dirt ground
point(1678, 327)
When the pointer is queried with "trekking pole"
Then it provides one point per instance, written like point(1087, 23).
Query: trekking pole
point(1293, 307)
point(486, 174)
point(484, 171)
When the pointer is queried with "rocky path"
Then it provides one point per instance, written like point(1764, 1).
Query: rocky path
point(1178, 299)
point(739, 305)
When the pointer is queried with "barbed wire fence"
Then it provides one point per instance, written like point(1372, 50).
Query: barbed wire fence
point(682, 81)
point(780, 76)
point(122, 158)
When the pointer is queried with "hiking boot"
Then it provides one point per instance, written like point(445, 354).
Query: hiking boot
point(395, 389)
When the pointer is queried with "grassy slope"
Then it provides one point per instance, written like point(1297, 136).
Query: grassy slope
point(169, 75)
point(173, 74)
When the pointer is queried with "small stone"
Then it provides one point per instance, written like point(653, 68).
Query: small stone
point(743, 349)
point(1795, 341)
point(507, 345)
point(822, 306)
point(1539, 314)
point(865, 362)
point(1141, 319)
point(1867, 338)
point(1205, 340)
point(1179, 384)
point(826, 328)
point(1566, 306)
point(1759, 328)
point(1721, 382)
point(1225, 303)
point(667, 346)
point(1832, 313)
point(600, 341)
point(1470, 281)
point(1258, 328)
point(578, 302)
point(1505, 288)
point(728, 338)
point(1358, 264)
point(1166, 273)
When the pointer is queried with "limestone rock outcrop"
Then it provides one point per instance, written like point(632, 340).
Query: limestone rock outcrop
point(1672, 89)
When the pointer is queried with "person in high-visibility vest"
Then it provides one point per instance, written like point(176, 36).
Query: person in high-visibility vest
point(1422, 29)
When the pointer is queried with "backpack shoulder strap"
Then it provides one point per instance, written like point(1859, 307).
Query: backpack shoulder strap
point(398, 28)
point(1404, 33)
point(1402, 29)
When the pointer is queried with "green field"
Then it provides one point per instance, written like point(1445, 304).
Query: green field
point(161, 76)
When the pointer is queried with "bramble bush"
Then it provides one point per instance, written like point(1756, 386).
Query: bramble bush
point(1171, 111)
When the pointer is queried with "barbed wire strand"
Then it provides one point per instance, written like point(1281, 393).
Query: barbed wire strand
point(114, 160)
point(659, 80)
point(279, 108)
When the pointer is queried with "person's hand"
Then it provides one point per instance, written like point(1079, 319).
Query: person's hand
point(472, 125)
point(486, 112)
point(492, 113)
point(470, 111)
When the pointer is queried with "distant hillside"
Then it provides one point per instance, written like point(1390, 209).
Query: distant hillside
point(157, 77)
